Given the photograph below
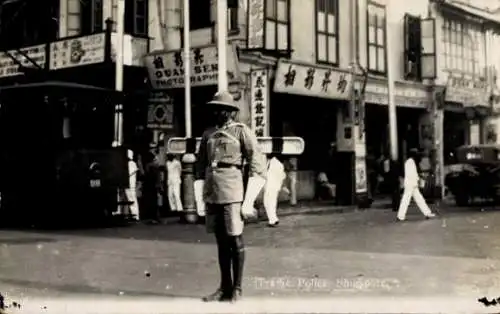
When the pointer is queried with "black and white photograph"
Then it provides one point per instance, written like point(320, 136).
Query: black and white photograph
point(249, 156)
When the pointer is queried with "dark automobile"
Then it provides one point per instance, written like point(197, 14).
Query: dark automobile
point(476, 174)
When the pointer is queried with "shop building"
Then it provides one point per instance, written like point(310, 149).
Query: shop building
point(75, 41)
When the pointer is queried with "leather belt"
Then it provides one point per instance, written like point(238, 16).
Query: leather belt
point(227, 165)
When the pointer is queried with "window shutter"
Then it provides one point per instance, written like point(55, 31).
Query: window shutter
point(428, 40)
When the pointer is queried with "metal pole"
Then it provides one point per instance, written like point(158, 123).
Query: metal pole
point(222, 44)
point(120, 21)
point(189, 158)
point(393, 127)
point(187, 70)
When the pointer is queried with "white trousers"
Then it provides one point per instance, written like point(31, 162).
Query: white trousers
point(270, 200)
point(408, 194)
point(174, 197)
point(132, 197)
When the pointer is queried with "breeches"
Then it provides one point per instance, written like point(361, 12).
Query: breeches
point(224, 217)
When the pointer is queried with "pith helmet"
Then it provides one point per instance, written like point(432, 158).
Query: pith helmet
point(224, 99)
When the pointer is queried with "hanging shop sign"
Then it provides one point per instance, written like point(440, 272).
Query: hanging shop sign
point(404, 96)
point(312, 80)
point(255, 24)
point(468, 92)
point(161, 111)
point(259, 101)
point(9, 67)
point(166, 68)
point(79, 51)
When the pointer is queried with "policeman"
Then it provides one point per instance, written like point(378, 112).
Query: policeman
point(219, 173)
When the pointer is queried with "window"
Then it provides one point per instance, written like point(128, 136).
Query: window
point(277, 25)
point(136, 17)
point(28, 23)
point(376, 38)
point(462, 43)
point(326, 31)
point(91, 17)
point(199, 14)
point(232, 19)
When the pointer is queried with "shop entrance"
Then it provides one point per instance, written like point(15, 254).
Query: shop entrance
point(314, 120)
point(455, 129)
point(378, 141)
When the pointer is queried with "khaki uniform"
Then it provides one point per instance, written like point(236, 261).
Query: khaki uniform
point(223, 152)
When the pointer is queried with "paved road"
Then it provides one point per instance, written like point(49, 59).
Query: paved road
point(351, 254)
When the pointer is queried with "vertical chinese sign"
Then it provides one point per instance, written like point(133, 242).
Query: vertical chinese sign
point(255, 24)
point(259, 101)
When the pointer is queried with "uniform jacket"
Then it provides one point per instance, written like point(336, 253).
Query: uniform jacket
point(411, 179)
point(232, 144)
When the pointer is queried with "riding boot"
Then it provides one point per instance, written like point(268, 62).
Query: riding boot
point(238, 262)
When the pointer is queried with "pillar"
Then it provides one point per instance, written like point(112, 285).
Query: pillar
point(292, 174)
point(437, 113)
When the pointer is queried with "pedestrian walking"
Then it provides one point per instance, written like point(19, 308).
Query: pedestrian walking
point(219, 170)
point(274, 182)
point(174, 183)
point(131, 191)
point(411, 186)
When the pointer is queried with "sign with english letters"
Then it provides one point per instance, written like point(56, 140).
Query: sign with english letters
point(78, 51)
point(10, 68)
point(312, 80)
point(166, 68)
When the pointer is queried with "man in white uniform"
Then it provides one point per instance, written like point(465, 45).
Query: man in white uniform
point(174, 183)
point(411, 189)
point(274, 181)
point(131, 192)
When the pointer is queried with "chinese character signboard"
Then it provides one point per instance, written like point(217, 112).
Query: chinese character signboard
point(315, 81)
point(467, 92)
point(259, 100)
point(161, 111)
point(255, 23)
point(10, 68)
point(166, 69)
point(77, 51)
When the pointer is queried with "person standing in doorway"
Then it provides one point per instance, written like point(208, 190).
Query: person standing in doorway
point(131, 191)
point(274, 181)
point(219, 170)
point(174, 183)
point(412, 188)
point(151, 185)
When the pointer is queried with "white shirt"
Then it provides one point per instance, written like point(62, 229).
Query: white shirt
point(173, 172)
point(132, 172)
point(411, 174)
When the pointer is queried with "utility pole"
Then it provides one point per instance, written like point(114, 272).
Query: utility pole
point(222, 44)
point(189, 158)
point(120, 23)
point(393, 126)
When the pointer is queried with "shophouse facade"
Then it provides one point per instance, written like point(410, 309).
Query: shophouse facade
point(295, 67)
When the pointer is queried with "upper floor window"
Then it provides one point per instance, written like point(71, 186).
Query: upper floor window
point(232, 19)
point(91, 13)
point(277, 25)
point(461, 48)
point(28, 23)
point(327, 44)
point(136, 17)
point(376, 38)
point(199, 14)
